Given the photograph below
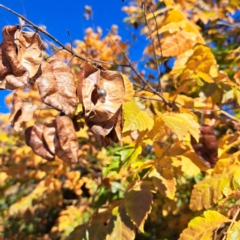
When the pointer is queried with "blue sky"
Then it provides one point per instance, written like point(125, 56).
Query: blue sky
point(60, 16)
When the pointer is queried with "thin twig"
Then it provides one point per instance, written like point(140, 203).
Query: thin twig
point(55, 40)
point(69, 35)
point(58, 50)
point(149, 98)
point(232, 222)
point(154, 50)
point(138, 74)
point(160, 47)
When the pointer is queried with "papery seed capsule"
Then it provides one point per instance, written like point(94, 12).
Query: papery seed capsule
point(102, 92)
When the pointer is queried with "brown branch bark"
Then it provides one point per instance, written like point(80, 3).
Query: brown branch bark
point(38, 29)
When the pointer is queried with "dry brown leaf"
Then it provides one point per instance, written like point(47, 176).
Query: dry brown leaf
point(103, 141)
point(34, 139)
point(91, 81)
point(57, 87)
point(12, 73)
point(66, 143)
point(49, 132)
point(16, 112)
point(108, 130)
point(21, 112)
point(29, 47)
point(116, 133)
point(207, 148)
point(86, 70)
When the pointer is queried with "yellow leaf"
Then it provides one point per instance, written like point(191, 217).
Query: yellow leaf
point(181, 124)
point(129, 92)
point(177, 43)
point(3, 177)
point(79, 109)
point(164, 181)
point(201, 64)
point(159, 130)
point(208, 192)
point(135, 119)
point(202, 228)
point(187, 166)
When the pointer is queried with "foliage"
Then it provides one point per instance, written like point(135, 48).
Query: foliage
point(95, 148)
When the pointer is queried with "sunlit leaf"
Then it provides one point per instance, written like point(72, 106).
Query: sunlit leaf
point(29, 47)
point(135, 119)
point(129, 92)
point(203, 227)
point(181, 124)
point(209, 191)
point(34, 139)
point(57, 87)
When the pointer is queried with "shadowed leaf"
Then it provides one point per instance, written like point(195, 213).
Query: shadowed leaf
point(138, 205)
point(21, 112)
point(164, 181)
point(34, 139)
point(49, 134)
point(120, 226)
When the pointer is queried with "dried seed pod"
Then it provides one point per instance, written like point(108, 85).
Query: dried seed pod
point(102, 92)
point(207, 148)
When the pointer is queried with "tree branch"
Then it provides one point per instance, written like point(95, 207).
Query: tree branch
point(38, 29)
point(154, 50)
point(140, 77)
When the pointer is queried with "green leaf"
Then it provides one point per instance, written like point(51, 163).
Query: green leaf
point(202, 228)
point(135, 119)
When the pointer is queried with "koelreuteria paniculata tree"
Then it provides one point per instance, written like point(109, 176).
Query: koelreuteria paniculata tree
point(96, 147)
